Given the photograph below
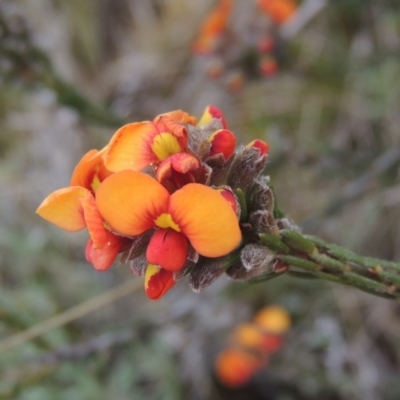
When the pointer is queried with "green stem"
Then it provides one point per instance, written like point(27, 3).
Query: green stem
point(323, 260)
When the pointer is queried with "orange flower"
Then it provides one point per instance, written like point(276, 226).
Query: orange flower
point(235, 367)
point(74, 208)
point(213, 28)
point(278, 10)
point(195, 213)
point(273, 319)
point(137, 145)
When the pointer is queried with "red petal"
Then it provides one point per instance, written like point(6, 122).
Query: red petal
point(157, 282)
point(222, 142)
point(211, 112)
point(260, 145)
point(103, 258)
point(168, 249)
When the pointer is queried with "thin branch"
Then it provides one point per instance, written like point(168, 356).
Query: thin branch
point(71, 314)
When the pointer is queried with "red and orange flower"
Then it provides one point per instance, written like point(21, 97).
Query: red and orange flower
point(171, 216)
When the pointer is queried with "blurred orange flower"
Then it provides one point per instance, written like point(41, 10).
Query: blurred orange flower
point(213, 28)
point(279, 10)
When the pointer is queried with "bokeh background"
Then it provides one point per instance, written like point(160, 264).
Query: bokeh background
point(71, 72)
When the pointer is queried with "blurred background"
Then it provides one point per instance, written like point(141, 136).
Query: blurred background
point(72, 72)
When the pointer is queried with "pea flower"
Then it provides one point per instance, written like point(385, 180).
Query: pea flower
point(164, 196)
point(213, 28)
point(137, 145)
point(278, 10)
point(73, 208)
point(195, 214)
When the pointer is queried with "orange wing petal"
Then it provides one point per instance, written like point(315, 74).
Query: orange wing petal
point(130, 147)
point(90, 171)
point(63, 209)
point(206, 218)
point(179, 116)
point(131, 201)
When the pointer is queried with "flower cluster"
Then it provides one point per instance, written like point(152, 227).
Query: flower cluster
point(250, 346)
point(253, 52)
point(171, 197)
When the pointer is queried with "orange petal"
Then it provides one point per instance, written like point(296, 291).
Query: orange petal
point(157, 281)
point(130, 147)
point(94, 222)
point(211, 112)
point(235, 367)
point(130, 201)
point(206, 218)
point(103, 258)
point(90, 171)
point(179, 116)
point(63, 209)
point(168, 249)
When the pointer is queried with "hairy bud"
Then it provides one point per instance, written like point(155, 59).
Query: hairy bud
point(247, 164)
point(256, 261)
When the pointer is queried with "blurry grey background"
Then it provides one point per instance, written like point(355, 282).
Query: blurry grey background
point(71, 72)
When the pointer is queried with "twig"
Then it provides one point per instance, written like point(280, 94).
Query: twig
point(72, 314)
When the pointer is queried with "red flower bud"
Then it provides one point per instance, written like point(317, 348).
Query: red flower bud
point(266, 45)
point(268, 66)
point(222, 142)
point(260, 145)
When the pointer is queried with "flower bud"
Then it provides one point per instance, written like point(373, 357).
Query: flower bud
point(222, 142)
point(210, 113)
point(268, 66)
point(263, 221)
point(256, 261)
point(266, 44)
point(260, 145)
point(261, 196)
point(247, 165)
point(207, 270)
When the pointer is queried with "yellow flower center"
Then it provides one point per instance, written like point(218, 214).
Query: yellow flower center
point(164, 145)
point(95, 182)
point(165, 221)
